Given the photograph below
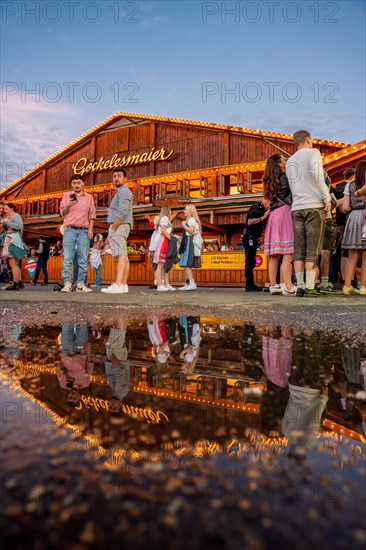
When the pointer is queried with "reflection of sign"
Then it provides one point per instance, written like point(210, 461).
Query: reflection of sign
point(30, 266)
point(84, 166)
point(230, 260)
point(147, 413)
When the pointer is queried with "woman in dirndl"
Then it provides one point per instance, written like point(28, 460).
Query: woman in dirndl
point(279, 234)
point(13, 247)
point(165, 229)
point(191, 246)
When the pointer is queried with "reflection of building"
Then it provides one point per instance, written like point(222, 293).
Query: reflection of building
point(218, 167)
point(222, 392)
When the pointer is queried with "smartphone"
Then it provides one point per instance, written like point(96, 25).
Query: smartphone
point(73, 197)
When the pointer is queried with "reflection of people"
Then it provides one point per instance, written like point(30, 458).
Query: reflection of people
point(162, 333)
point(253, 229)
point(190, 337)
point(308, 396)
point(117, 366)
point(76, 363)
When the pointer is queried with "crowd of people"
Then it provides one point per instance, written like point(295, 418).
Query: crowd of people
point(295, 215)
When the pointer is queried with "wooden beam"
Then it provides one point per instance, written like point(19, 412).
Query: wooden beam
point(214, 227)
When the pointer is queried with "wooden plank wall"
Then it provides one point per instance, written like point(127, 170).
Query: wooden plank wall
point(141, 273)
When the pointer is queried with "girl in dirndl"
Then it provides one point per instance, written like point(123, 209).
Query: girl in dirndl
point(279, 234)
point(191, 246)
point(165, 229)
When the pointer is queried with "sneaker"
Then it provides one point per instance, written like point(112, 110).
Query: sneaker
point(162, 288)
point(292, 292)
point(115, 289)
point(170, 287)
point(253, 288)
point(350, 290)
point(67, 287)
point(275, 289)
point(82, 287)
point(363, 290)
point(328, 289)
point(125, 288)
point(313, 292)
point(96, 286)
point(191, 286)
point(13, 286)
point(184, 287)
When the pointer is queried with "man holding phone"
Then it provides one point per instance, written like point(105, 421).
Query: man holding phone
point(78, 211)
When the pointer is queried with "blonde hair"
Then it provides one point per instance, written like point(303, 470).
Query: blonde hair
point(194, 214)
point(165, 211)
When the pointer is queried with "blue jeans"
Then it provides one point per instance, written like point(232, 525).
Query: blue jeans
point(98, 276)
point(74, 339)
point(73, 237)
point(41, 264)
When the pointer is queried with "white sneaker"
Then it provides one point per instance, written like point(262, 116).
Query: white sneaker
point(275, 289)
point(184, 287)
point(81, 287)
point(67, 287)
point(287, 292)
point(349, 290)
point(170, 287)
point(125, 288)
point(115, 289)
point(192, 286)
point(162, 288)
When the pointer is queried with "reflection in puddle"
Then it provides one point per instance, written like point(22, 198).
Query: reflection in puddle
point(193, 379)
point(159, 395)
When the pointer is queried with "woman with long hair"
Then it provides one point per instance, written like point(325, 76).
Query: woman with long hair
point(165, 229)
point(13, 247)
point(279, 234)
point(191, 246)
point(352, 237)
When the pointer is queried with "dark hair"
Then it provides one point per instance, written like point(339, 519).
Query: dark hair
point(360, 174)
point(271, 176)
point(349, 173)
point(300, 137)
point(120, 170)
point(12, 206)
point(77, 177)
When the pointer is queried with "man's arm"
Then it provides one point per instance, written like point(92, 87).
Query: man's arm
point(316, 169)
point(92, 216)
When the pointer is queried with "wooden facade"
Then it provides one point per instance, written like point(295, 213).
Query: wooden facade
point(217, 167)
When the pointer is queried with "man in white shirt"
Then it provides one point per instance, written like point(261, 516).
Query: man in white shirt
point(311, 201)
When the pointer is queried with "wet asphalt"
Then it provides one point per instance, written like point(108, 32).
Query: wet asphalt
point(336, 313)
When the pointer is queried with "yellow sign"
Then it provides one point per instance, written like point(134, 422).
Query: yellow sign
point(231, 260)
point(84, 166)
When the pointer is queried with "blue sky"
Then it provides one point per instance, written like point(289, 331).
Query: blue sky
point(271, 65)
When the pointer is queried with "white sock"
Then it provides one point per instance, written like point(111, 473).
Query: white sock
point(310, 279)
point(325, 282)
point(191, 281)
point(300, 279)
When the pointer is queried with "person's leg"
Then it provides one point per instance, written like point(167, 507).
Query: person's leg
point(272, 269)
point(250, 250)
point(75, 271)
point(125, 269)
point(350, 267)
point(363, 270)
point(299, 247)
point(314, 229)
point(98, 276)
point(324, 268)
point(287, 270)
point(83, 243)
point(45, 272)
point(38, 270)
point(68, 243)
point(159, 273)
point(14, 265)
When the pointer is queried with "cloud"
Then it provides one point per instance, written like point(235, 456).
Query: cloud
point(31, 131)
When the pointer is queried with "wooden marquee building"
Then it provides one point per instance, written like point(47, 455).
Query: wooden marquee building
point(218, 167)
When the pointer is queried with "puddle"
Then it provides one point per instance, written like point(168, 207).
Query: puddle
point(159, 420)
